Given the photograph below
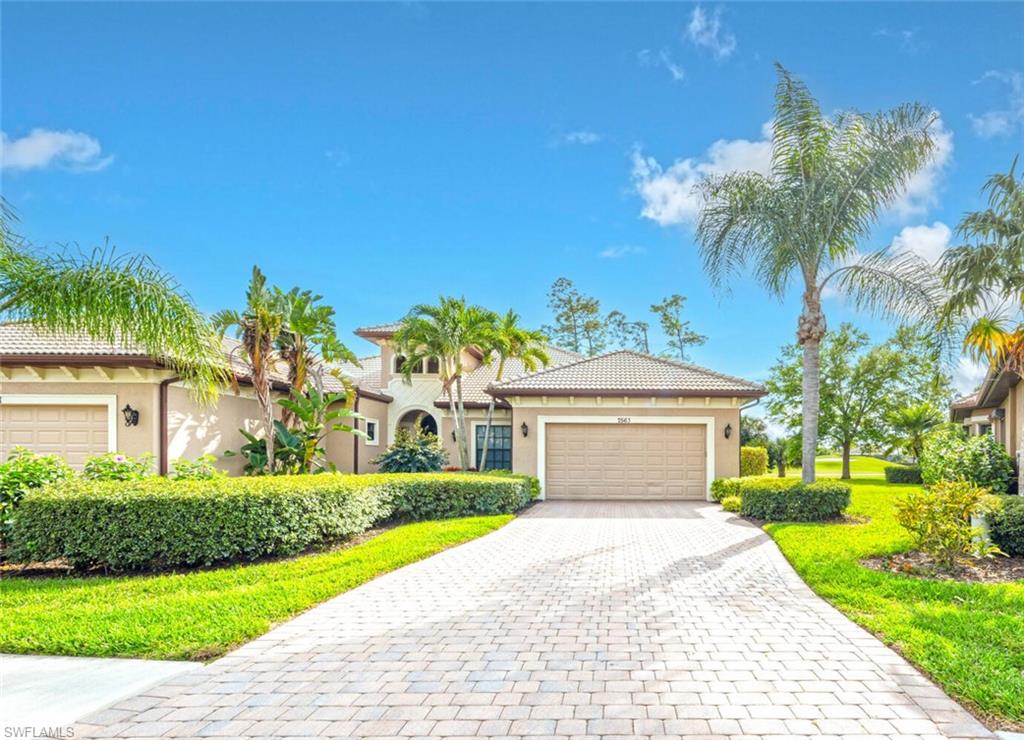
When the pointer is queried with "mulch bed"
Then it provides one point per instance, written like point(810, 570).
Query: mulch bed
point(996, 569)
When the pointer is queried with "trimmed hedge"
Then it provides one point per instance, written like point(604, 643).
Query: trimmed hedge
point(1006, 527)
point(160, 523)
point(753, 461)
point(785, 499)
point(902, 474)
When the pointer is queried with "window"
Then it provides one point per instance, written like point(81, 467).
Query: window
point(399, 361)
point(499, 451)
point(371, 432)
point(416, 369)
point(434, 367)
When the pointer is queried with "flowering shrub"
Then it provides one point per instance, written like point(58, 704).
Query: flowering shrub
point(22, 472)
point(115, 466)
point(950, 455)
point(939, 520)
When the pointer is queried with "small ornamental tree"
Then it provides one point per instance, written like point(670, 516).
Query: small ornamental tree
point(413, 452)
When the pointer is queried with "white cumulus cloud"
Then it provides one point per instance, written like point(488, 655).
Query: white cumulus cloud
point(922, 190)
point(42, 148)
point(705, 30)
point(669, 193)
point(582, 137)
point(968, 375)
point(927, 242)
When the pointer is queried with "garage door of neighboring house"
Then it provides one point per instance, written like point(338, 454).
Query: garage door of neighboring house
point(73, 432)
point(626, 461)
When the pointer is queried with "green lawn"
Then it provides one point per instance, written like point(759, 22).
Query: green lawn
point(968, 637)
point(203, 614)
point(860, 466)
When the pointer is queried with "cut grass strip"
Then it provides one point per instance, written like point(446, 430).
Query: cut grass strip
point(203, 614)
point(969, 637)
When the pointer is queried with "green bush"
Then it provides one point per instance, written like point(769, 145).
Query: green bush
point(788, 499)
point(22, 472)
point(732, 503)
point(950, 455)
point(753, 461)
point(939, 520)
point(902, 474)
point(115, 466)
point(157, 523)
point(1006, 525)
point(202, 468)
point(534, 483)
point(419, 452)
point(721, 488)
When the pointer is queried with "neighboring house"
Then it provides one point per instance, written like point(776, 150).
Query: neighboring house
point(996, 408)
point(619, 425)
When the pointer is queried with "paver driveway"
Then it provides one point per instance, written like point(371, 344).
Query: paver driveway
point(600, 620)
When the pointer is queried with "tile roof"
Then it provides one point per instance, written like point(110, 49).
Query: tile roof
point(366, 374)
point(382, 331)
point(628, 373)
point(474, 385)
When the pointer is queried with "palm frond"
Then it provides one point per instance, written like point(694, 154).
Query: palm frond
point(901, 286)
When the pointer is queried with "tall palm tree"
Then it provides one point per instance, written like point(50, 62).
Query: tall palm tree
point(445, 331)
point(987, 276)
point(830, 179)
point(112, 298)
point(257, 326)
point(912, 424)
point(308, 339)
point(510, 341)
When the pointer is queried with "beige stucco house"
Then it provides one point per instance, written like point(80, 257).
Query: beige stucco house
point(618, 425)
point(996, 408)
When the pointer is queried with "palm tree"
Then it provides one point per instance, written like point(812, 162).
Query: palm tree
point(912, 424)
point(446, 332)
point(988, 275)
point(510, 341)
point(258, 326)
point(113, 298)
point(830, 179)
point(308, 339)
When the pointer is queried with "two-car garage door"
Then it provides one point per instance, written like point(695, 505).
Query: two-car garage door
point(73, 432)
point(625, 461)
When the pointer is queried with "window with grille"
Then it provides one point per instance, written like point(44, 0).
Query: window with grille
point(499, 451)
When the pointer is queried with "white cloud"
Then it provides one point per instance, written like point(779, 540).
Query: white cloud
point(42, 148)
point(908, 39)
point(968, 375)
point(927, 242)
point(1002, 121)
point(706, 31)
point(663, 59)
point(582, 137)
point(617, 252)
point(921, 192)
point(669, 194)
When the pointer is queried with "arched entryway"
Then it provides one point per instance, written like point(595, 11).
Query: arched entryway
point(418, 419)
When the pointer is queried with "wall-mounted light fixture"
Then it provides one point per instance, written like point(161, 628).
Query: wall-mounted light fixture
point(728, 431)
point(524, 429)
point(453, 435)
point(131, 416)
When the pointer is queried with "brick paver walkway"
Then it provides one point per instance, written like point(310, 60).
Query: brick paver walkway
point(576, 620)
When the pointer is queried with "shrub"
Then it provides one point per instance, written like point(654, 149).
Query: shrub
point(202, 468)
point(939, 520)
point(22, 472)
point(1006, 525)
point(534, 483)
point(950, 455)
point(115, 466)
point(753, 461)
point(902, 474)
point(732, 503)
point(413, 453)
point(789, 500)
point(155, 522)
point(721, 488)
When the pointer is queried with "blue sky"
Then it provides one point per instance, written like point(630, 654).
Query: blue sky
point(385, 154)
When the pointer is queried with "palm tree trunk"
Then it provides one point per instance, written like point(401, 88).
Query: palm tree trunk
point(487, 435)
point(461, 429)
point(455, 422)
point(811, 383)
point(846, 461)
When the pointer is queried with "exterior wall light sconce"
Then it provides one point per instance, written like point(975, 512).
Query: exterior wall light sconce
point(131, 416)
point(728, 431)
point(453, 435)
point(524, 429)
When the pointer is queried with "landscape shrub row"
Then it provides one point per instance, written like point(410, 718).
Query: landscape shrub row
point(160, 523)
point(753, 461)
point(784, 499)
point(1006, 525)
point(902, 474)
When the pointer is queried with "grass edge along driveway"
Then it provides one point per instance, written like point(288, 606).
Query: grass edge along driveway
point(200, 615)
point(969, 637)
